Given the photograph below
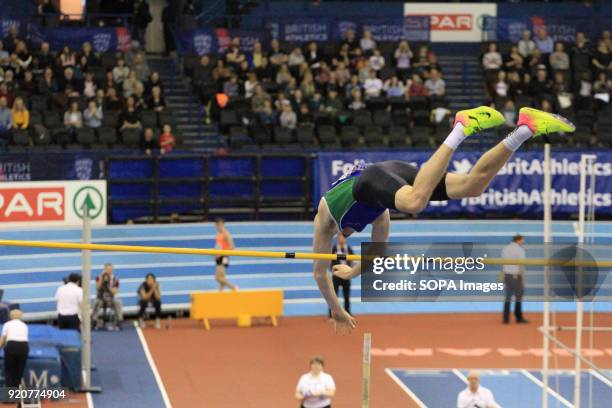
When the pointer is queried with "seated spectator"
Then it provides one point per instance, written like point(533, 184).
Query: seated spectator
point(47, 85)
point(203, 71)
point(149, 294)
point(139, 97)
point(602, 87)
point(92, 116)
point(515, 60)
point(283, 77)
point(394, 87)
point(584, 92)
point(109, 81)
point(492, 59)
point(259, 99)
point(148, 143)
point(403, 57)
point(250, 84)
point(541, 87)
point(99, 98)
point(377, 61)
point(89, 56)
point(297, 99)
point(69, 81)
point(73, 118)
point(517, 86)
point(323, 74)
point(343, 74)
point(526, 44)
point(295, 58)
point(367, 43)
point(129, 84)
point(232, 88)
point(501, 88)
point(602, 58)
point(157, 101)
point(266, 114)
point(559, 60)
point(265, 72)
point(304, 115)
point(221, 72)
point(113, 102)
point(67, 58)
point(535, 61)
point(140, 67)
point(333, 103)
point(10, 41)
point(352, 85)
point(562, 90)
point(107, 287)
point(257, 55)
point(313, 57)
point(421, 61)
point(24, 57)
point(364, 72)
point(45, 57)
point(120, 72)
point(27, 84)
point(432, 58)
point(4, 55)
point(130, 117)
point(89, 86)
point(316, 102)
point(276, 56)
point(509, 112)
point(417, 87)
point(21, 115)
point(167, 141)
point(357, 102)
point(233, 56)
point(6, 120)
point(543, 41)
point(153, 81)
point(435, 85)
point(287, 118)
point(349, 42)
point(4, 92)
point(68, 298)
point(581, 55)
point(373, 86)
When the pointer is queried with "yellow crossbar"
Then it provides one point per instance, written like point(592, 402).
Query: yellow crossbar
point(271, 254)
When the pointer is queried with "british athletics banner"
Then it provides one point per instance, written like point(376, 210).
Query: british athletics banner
point(517, 190)
point(203, 41)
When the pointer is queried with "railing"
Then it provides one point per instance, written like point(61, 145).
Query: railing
point(250, 186)
point(86, 19)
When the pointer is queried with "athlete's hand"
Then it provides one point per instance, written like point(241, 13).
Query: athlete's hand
point(344, 323)
point(343, 271)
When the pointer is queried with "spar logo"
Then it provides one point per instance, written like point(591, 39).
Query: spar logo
point(89, 198)
point(450, 21)
point(32, 204)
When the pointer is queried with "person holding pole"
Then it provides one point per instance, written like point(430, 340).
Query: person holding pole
point(514, 279)
point(316, 388)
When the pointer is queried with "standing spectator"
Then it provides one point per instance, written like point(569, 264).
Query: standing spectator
point(14, 339)
point(543, 41)
point(515, 60)
point(492, 59)
point(223, 241)
point(107, 286)
point(581, 55)
point(10, 41)
point(514, 279)
point(316, 388)
point(167, 141)
point(475, 395)
point(149, 293)
point(169, 18)
point(6, 119)
point(73, 118)
point(142, 18)
point(120, 72)
point(67, 58)
point(341, 247)
point(69, 298)
point(367, 43)
point(21, 116)
point(45, 56)
point(92, 116)
point(140, 67)
point(403, 57)
point(559, 60)
point(526, 44)
point(602, 58)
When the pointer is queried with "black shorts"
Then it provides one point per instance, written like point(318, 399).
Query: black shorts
point(377, 184)
point(222, 260)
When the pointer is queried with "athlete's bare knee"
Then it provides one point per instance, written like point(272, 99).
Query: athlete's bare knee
point(474, 186)
point(411, 202)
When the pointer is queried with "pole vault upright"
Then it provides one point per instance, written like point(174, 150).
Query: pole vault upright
point(547, 243)
point(85, 307)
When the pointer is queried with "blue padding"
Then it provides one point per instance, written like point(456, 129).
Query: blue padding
point(283, 166)
point(181, 168)
point(282, 188)
point(123, 191)
point(232, 189)
point(121, 213)
point(125, 169)
point(172, 209)
point(39, 353)
point(231, 167)
point(180, 190)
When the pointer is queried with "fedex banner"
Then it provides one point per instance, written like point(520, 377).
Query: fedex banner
point(453, 22)
point(517, 190)
point(52, 203)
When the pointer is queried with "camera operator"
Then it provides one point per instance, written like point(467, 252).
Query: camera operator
point(69, 298)
point(107, 285)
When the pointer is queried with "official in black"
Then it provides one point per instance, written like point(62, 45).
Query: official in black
point(14, 339)
point(342, 248)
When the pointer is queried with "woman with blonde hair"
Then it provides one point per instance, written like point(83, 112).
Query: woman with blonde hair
point(21, 116)
point(14, 339)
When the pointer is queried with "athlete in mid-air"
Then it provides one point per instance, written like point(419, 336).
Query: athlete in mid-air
point(365, 194)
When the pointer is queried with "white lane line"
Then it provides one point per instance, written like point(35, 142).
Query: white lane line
point(600, 377)
point(405, 388)
point(160, 383)
point(550, 390)
point(460, 375)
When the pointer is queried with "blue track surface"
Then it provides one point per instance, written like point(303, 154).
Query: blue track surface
point(31, 276)
point(511, 388)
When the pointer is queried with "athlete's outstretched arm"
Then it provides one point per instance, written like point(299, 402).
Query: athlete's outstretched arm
point(324, 231)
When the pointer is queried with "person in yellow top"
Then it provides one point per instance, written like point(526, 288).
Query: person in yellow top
point(225, 241)
point(21, 116)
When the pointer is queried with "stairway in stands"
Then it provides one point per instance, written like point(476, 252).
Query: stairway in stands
point(187, 109)
point(464, 81)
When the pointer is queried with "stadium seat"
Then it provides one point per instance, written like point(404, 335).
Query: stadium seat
point(400, 118)
point(38, 103)
point(148, 118)
point(305, 135)
point(283, 135)
point(107, 135)
point(36, 118)
point(397, 135)
point(382, 118)
point(131, 137)
point(362, 118)
point(40, 135)
point(85, 136)
point(52, 119)
point(239, 137)
point(420, 137)
point(327, 135)
point(373, 136)
point(349, 135)
point(110, 119)
point(261, 134)
point(61, 136)
point(21, 137)
point(167, 117)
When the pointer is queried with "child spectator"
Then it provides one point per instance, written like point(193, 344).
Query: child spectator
point(73, 118)
point(92, 115)
point(167, 141)
point(148, 143)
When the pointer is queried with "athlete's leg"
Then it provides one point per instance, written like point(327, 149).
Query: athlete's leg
point(413, 199)
point(221, 278)
point(531, 123)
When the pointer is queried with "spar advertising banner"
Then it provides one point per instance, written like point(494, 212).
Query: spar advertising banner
point(453, 22)
point(517, 190)
point(52, 203)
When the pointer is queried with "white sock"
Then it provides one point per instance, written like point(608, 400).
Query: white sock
point(455, 137)
point(517, 137)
